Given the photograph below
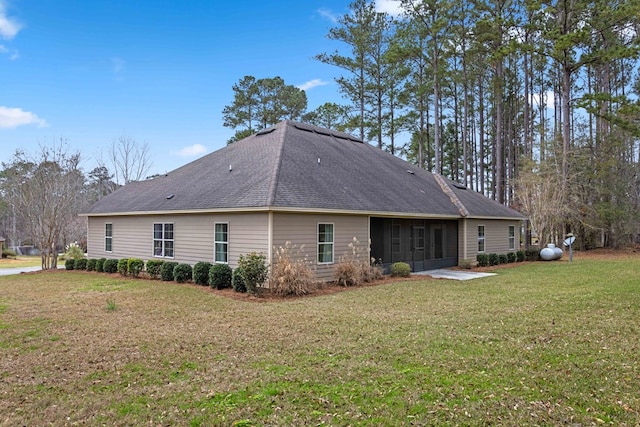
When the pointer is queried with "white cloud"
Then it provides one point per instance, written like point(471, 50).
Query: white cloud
point(548, 100)
point(192, 150)
point(392, 7)
point(311, 84)
point(13, 54)
point(327, 14)
point(9, 27)
point(11, 118)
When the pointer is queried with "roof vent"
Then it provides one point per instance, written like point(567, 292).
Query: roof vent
point(266, 131)
point(170, 196)
point(410, 171)
point(460, 186)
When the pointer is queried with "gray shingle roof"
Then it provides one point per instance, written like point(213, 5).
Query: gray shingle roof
point(299, 166)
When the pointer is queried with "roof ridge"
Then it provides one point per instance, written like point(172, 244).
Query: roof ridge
point(446, 189)
point(273, 186)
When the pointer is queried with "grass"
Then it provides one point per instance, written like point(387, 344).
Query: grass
point(538, 344)
point(21, 261)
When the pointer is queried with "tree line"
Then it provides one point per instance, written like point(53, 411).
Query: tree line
point(532, 103)
point(42, 193)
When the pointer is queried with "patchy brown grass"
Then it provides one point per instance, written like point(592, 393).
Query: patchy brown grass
point(538, 344)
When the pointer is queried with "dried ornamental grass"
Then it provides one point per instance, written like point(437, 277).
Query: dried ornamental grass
point(291, 272)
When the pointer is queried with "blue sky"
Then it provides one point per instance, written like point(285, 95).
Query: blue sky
point(156, 71)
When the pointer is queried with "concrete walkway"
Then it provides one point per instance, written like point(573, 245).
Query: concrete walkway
point(454, 274)
point(18, 270)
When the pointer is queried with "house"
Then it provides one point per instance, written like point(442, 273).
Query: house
point(306, 185)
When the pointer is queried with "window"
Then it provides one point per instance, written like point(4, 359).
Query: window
point(163, 240)
point(481, 238)
point(221, 243)
point(512, 237)
point(108, 237)
point(325, 243)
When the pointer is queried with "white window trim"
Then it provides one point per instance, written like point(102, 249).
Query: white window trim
point(483, 238)
point(108, 237)
point(163, 240)
point(512, 239)
point(215, 242)
point(333, 243)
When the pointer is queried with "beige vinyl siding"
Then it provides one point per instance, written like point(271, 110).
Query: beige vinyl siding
point(193, 236)
point(496, 237)
point(302, 229)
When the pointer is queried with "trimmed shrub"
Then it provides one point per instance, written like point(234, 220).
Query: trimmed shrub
point(91, 264)
point(110, 266)
point(122, 266)
point(502, 259)
point(483, 260)
point(100, 264)
point(80, 264)
point(237, 281)
point(254, 270)
point(400, 269)
point(135, 266)
point(290, 272)
point(532, 254)
point(166, 271)
point(69, 264)
point(494, 259)
point(182, 273)
point(511, 257)
point(519, 256)
point(201, 273)
point(153, 268)
point(220, 276)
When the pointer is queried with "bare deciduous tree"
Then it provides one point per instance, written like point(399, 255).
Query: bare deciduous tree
point(46, 191)
point(541, 197)
point(130, 161)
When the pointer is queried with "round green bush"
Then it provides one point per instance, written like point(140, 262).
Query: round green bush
point(483, 260)
point(166, 270)
point(511, 257)
point(400, 269)
point(220, 276)
point(110, 266)
point(237, 281)
point(502, 259)
point(494, 259)
point(135, 266)
point(122, 266)
point(100, 264)
point(91, 264)
point(154, 267)
point(201, 273)
point(182, 273)
point(254, 270)
point(69, 264)
point(519, 256)
point(80, 264)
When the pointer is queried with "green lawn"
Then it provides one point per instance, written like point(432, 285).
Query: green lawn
point(539, 344)
point(21, 261)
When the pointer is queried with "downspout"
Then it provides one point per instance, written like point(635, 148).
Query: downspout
point(270, 238)
point(464, 239)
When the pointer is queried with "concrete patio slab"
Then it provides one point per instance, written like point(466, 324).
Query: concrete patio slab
point(454, 274)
